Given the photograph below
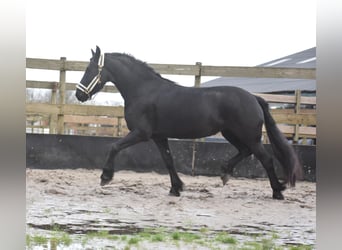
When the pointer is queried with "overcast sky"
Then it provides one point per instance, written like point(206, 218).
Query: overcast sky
point(214, 32)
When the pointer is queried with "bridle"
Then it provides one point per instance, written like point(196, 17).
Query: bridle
point(95, 81)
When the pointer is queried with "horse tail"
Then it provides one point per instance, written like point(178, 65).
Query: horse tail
point(283, 151)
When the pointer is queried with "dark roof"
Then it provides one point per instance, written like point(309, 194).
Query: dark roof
point(303, 59)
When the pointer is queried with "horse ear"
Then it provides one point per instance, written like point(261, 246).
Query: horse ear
point(97, 54)
point(98, 51)
point(92, 53)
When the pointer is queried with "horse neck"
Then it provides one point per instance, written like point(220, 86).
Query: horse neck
point(128, 79)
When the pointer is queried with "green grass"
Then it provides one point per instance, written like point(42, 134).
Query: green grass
point(61, 239)
point(133, 241)
point(56, 239)
point(204, 230)
point(102, 234)
point(225, 238)
point(36, 240)
point(185, 236)
point(204, 237)
point(159, 237)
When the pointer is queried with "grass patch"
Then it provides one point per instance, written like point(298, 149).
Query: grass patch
point(204, 230)
point(185, 236)
point(159, 237)
point(102, 235)
point(36, 240)
point(133, 241)
point(176, 235)
point(99, 235)
point(226, 238)
point(40, 240)
point(61, 239)
point(204, 237)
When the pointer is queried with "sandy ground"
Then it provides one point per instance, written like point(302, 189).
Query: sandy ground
point(75, 201)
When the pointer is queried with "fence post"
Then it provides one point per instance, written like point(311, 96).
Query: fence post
point(297, 111)
point(198, 77)
point(119, 128)
point(62, 80)
point(54, 117)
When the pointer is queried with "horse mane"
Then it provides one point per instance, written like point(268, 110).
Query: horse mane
point(133, 62)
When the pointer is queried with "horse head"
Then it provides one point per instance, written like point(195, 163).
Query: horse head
point(93, 79)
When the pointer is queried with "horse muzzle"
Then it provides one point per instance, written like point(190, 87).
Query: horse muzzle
point(81, 96)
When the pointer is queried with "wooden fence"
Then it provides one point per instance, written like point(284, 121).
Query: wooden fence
point(58, 117)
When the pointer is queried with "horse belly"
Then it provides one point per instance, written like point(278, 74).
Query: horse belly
point(185, 125)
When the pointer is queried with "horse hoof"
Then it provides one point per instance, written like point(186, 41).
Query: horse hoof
point(225, 179)
point(105, 182)
point(278, 196)
point(174, 192)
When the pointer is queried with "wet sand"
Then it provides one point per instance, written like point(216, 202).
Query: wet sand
point(74, 200)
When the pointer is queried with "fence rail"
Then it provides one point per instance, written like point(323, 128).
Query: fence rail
point(298, 122)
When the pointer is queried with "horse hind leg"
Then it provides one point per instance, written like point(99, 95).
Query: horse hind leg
point(244, 151)
point(229, 168)
point(267, 161)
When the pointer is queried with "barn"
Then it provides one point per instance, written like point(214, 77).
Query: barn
point(302, 59)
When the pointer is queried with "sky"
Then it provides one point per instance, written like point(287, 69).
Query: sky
point(214, 32)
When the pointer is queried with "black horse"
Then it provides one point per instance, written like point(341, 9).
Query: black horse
point(157, 108)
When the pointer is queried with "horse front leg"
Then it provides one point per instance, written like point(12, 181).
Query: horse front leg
point(130, 139)
point(176, 183)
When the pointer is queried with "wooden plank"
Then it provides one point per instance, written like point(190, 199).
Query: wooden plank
point(260, 72)
point(286, 98)
point(308, 100)
point(49, 64)
point(97, 131)
point(76, 65)
point(74, 109)
point(35, 118)
point(176, 69)
point(182, 69)
point(309, 132)
point(91, 119)
point(45, 108)
point(277, 98)
point(292, 111)
point(304, 119)
point(41, 84)
point(170, 69)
